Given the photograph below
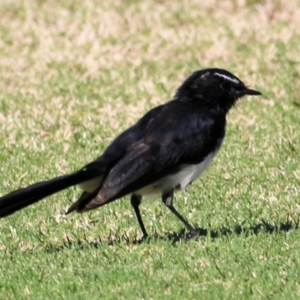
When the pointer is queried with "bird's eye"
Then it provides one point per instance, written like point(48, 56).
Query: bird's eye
point(226, 86)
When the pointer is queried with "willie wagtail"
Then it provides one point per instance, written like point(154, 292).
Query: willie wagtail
point(166, 150)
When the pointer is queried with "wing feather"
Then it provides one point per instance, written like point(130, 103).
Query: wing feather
point(178, 137)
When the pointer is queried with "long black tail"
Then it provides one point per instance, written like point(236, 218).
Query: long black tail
point(21, 198)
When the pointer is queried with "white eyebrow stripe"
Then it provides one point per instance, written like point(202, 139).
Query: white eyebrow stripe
point(227, 77)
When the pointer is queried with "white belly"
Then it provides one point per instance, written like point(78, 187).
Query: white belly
point(91, 185)
point(181, 179)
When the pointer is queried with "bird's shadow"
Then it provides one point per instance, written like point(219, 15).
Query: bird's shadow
point(296, 103)
point(182, 235)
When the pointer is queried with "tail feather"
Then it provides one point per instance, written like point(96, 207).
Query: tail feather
point(21, 198)
point(82, 201)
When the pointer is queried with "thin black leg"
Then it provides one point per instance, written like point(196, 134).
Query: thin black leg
point(135, 202)
point(167, 199)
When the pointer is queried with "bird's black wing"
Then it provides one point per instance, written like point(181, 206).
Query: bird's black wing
point(176, 135)
point(99, 168)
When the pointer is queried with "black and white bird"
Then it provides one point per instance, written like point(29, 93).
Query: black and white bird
point(166, 150)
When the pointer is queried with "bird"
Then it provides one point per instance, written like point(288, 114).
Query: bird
point(164, 151)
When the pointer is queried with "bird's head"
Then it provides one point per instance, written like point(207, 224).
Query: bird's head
point(214, 88)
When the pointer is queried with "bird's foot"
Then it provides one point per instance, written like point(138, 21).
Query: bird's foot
point(191, 235)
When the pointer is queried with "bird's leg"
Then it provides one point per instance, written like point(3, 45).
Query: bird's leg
point(167, 199)
point(135, 202)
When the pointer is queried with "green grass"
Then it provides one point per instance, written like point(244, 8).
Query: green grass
point(74, 74)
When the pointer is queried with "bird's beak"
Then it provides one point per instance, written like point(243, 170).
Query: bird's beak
point(251, 92)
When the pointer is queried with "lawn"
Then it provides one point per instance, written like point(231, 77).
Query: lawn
point(74, 74)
